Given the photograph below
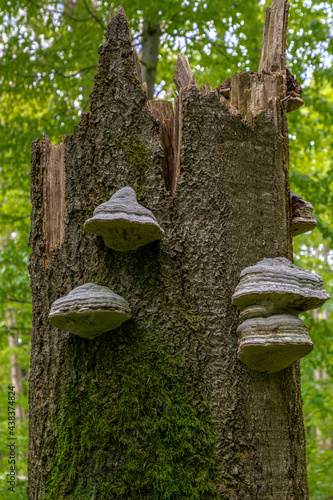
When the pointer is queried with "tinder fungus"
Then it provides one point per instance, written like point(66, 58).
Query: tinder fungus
point(271, 344)
point(270, 295)
point(301, 215)
point(123, 223)
point(294, 102)
point(89, 311)
point(274, 286)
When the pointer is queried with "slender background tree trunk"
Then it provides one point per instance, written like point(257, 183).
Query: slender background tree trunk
point(149, 55)
point(161, 407)
point(15, 371)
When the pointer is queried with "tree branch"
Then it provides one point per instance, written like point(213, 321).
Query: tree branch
point(58, 72)
point(94, 15)
point(55, 11)
point(13, 299)
point(11, 218)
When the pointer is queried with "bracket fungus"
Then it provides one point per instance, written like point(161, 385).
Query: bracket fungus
point(123, 223)
point(273, 343)
point(293, 102)
point(270, 295)
point(301, 215)
point(294, 93)
point(274, 286)
point(89, 311)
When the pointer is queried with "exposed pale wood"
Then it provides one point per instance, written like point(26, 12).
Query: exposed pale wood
point(205, 89)
point(183, 79)
point(273, 49)
point(183, 76)
point(54, 205)
point(137, 65)
point(264, 42)
point(252, 93)
point(145, 89)
point(163, 111)
point(177, 134)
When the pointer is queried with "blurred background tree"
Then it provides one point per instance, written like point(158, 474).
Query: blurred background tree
point(48, 59)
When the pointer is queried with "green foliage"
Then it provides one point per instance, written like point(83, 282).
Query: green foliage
point(317, 372)
point(15, 300)
point(21, 429)
point(311, 167)
point(49, 57)
point(317, 379)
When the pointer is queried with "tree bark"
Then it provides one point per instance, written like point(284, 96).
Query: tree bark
point(149, 58)
point(161, 407)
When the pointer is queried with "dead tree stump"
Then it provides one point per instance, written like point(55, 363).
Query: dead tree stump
point(161, 408)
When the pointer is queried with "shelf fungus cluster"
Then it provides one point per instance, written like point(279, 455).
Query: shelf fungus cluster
point(270, 295)
point(123, 223)
point(302, 215)
point(89, 311)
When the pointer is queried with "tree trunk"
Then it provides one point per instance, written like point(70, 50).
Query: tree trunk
point(161, 408)
point(15, 371)
point(149, 57)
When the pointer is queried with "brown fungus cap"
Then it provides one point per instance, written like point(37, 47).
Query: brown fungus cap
point(301, 215)
point(274, 286)
point(89, 311)
point(123, 223)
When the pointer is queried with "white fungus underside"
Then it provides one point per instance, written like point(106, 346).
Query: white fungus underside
point(89, 323)
point(124, 234)
point(302, 225)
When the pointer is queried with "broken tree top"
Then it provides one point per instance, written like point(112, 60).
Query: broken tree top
point(273, 49)
point(249, 93)
point(118, 89)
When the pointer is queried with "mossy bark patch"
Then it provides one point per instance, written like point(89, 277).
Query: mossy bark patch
point(132, 416)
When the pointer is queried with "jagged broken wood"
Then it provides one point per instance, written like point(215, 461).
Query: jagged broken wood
point(273, 48)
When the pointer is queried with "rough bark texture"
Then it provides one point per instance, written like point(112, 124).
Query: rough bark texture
point(161, 408)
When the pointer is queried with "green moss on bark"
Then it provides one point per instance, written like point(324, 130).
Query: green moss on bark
point(133, 415)
point(138, 159)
